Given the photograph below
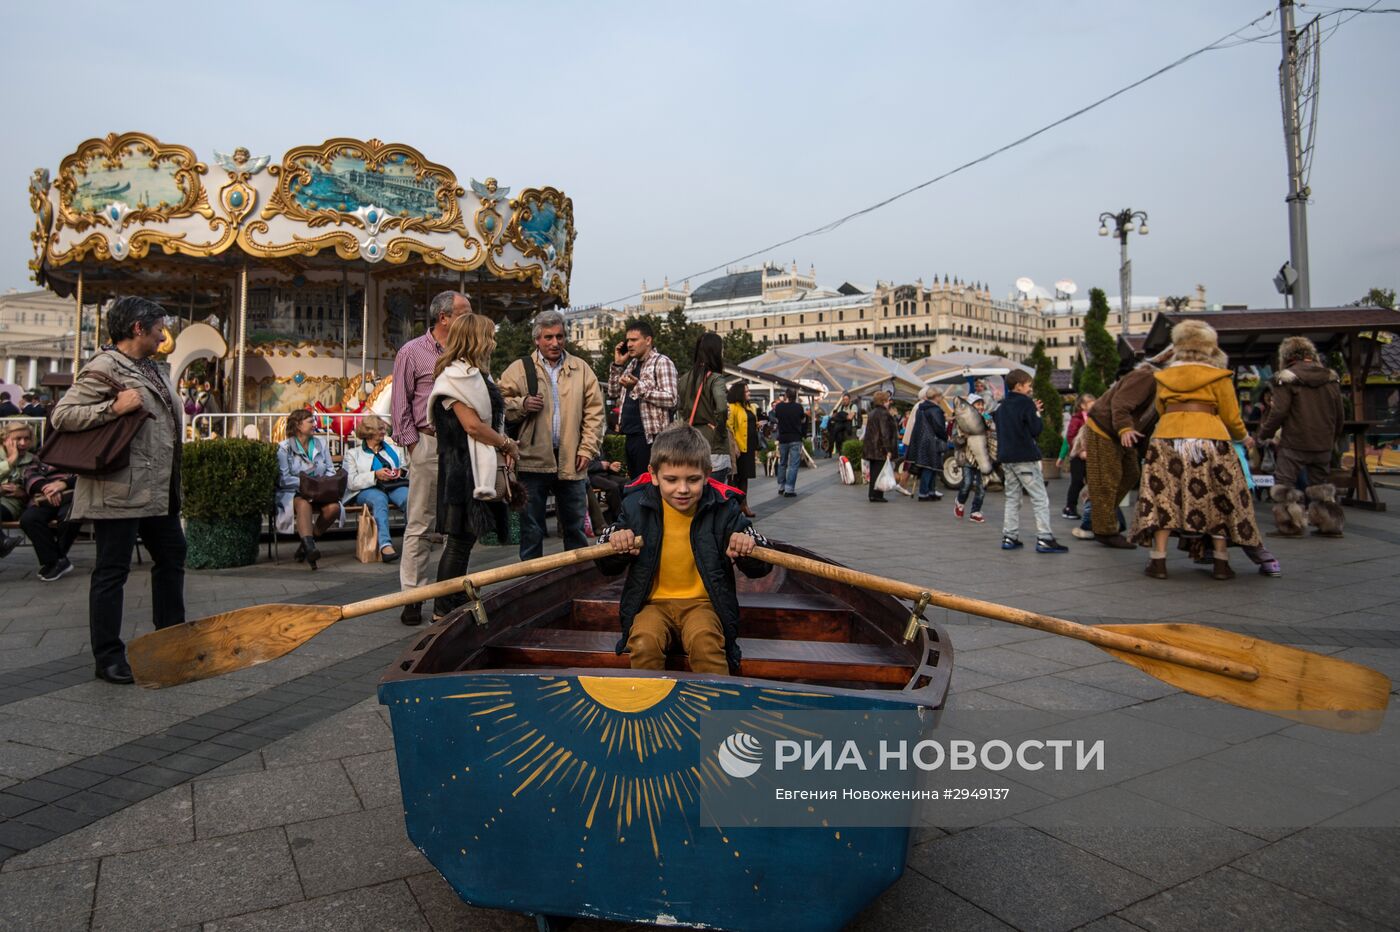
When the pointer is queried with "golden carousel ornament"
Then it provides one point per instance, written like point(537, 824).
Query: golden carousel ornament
point(295, 279)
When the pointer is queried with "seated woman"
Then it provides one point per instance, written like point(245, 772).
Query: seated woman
point(299, 455)
point(377, 476)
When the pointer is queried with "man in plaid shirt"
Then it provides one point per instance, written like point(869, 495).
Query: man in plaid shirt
point(646, 381)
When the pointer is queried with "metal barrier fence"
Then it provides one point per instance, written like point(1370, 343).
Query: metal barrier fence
point(270, 426)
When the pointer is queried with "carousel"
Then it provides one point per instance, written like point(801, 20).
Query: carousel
point(291, 282)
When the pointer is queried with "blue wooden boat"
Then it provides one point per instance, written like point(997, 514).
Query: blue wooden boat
point(543, 776)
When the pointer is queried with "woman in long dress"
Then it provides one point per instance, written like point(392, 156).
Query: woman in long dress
point(1192, 479)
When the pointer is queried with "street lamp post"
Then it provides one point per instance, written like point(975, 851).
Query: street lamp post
point(1123, 225)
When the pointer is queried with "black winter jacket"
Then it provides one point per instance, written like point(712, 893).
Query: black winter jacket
point(718, 515)
point(1018, 429)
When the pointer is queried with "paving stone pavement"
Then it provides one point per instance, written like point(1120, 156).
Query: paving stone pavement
point(268, 799)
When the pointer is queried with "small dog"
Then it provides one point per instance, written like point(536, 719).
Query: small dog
point(1324, 513)
point(1289, 516)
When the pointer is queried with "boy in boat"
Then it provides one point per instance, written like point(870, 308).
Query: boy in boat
point(680, 581)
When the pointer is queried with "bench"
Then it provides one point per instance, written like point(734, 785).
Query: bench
point(763, 658)
point(789, 616)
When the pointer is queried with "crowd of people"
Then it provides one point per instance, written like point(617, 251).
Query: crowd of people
point(467, 445)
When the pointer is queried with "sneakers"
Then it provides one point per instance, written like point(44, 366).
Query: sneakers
point(959, 510)
point(1080, 533)
point(1270, 568)
point(1050, 545)
point(57, 571)
point(1011, 543)
point(1070, 514)
point(412, 614)
point(976, 516)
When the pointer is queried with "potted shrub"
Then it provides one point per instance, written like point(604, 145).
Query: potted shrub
point(228, 487)
point(853, 450)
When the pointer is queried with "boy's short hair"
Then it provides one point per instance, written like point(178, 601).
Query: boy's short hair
point(681, 445)
point(1016, 377)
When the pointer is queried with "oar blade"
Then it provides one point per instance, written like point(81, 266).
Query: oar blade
point(1298, 684)
point(225, 642)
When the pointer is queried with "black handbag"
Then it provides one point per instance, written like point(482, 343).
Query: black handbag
point(97, 451)
point(392, 484)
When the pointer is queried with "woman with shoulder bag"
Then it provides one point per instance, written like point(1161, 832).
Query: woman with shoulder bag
point(703, 404)
point(881, 440)
point(307, 506)
point(377, 477)
point(468, 413)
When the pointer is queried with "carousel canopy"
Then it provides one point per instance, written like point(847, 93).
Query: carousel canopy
point(839, 368)
point(131, 214)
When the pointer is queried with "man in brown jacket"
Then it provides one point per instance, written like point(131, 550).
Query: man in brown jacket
point(144, 497)
point(561, 430)
point(1308, 406)
point(1116, 422)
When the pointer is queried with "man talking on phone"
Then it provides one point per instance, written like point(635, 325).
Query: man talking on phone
point(646, 381)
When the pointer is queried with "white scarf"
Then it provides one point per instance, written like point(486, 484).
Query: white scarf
point(467, 384)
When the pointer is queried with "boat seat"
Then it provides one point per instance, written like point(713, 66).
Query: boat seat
point(787, 616)
point(764, 658)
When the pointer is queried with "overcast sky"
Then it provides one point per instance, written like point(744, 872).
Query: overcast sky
point(690, 134)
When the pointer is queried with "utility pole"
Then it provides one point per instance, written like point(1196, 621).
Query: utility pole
point(1298, 191)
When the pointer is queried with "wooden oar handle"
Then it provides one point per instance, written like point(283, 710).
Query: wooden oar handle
point(484, 578)
point(1015, 616)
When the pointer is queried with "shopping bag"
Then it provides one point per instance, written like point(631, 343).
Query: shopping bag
point(886, 481)
point(848, 473)
point(367, 539)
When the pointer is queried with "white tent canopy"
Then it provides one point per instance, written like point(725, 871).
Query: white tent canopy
point(839, 369)
point(951, 365)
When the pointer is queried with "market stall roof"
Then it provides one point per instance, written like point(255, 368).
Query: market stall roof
point(945, 365)
point(1252, 337)
point(765, 378)
point(839, 368)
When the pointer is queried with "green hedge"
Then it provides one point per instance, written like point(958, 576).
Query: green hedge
point(853, 450)
point(228, 479)
point(223, 543)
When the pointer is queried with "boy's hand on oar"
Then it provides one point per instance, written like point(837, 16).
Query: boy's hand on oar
point(625, 542)
point(740, 545)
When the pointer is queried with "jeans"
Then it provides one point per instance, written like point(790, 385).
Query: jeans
point(789, 458)
point(928, 482)
point(455, 554)
point(570, 503)
point(165, 540)
point(1086, 522)
point(50, 545)
point(1029, 476)
point(378, 501)
point(971, 485)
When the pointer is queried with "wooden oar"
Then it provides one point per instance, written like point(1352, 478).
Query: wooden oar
point(1205, 661)
point(247, 636)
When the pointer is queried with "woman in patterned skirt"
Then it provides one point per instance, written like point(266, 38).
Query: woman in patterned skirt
point(1192, 481)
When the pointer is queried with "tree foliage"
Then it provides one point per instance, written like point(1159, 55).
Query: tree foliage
point(1077, 374)
point(1053, 414)
point(1100, 348)
point(1377, 297)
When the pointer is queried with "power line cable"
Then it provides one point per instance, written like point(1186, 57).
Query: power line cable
point(1224, 42)
point(829, 227)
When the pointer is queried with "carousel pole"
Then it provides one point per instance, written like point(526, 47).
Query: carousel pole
point(242, 344)
point(345, 325)
point(78, 326)
point(364, 331)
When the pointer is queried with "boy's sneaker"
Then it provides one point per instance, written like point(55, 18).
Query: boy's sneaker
point(1070, 514)
point(1011, 543)
point(977, 517)
point(1082, 534)
point(56, 571)
point(1270, 568)
point(959, 510)
point(1050, 545)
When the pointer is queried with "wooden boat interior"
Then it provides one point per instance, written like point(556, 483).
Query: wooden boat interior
point(793, 628)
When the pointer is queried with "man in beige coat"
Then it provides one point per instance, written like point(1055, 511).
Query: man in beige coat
point(143, 498)
point(561, 430)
